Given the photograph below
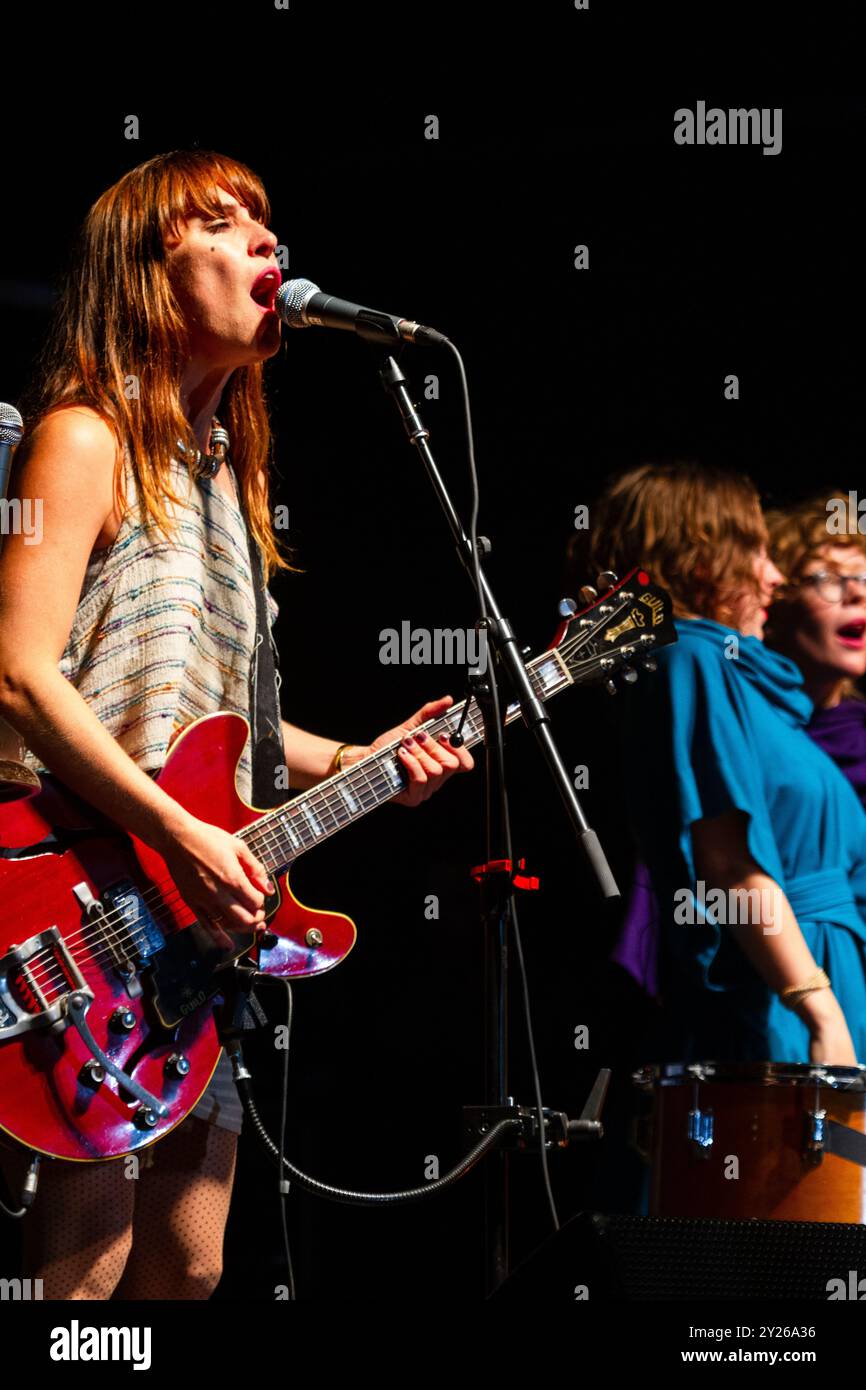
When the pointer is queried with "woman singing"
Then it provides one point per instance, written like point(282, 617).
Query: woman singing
point(818, 619)
point(729, 793)
point(137, 614)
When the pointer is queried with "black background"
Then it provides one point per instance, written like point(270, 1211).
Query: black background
point(703, 262)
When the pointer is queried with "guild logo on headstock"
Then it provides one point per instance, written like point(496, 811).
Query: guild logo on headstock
point(635, 619)
point(656, 607)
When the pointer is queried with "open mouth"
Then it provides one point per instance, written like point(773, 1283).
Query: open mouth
point(851, 634)
point(264, 291)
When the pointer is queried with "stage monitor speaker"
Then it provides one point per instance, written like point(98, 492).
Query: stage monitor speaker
point(641, 1258)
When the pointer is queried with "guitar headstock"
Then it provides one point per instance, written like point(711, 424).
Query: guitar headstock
point(617, 632)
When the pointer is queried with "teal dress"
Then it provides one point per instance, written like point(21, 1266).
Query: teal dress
point(721, 726)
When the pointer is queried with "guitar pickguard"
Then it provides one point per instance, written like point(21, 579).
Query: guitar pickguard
point(186, 972)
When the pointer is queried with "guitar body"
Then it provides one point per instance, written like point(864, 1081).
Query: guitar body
point(108, 983)
point(90, 914)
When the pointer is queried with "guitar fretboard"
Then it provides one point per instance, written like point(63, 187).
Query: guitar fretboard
point(279, 837)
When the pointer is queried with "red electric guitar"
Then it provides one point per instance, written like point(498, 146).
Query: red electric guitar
point(107, 982)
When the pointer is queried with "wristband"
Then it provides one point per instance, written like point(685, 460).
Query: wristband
point(793, 994)
point(337, 760)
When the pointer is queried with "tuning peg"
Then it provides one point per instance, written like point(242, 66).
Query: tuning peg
point(606, 580)
point(610, 687)
point(587, 594)
point(566, 607)
point(650, 664)
point(629, 674)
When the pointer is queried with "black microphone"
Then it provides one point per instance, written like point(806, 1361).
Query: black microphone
point(301, 304)
point(11, 430)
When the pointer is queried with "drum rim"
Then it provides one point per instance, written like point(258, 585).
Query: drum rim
point(850, 1078)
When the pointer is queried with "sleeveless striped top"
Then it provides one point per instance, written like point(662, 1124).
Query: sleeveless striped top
point(164, 632)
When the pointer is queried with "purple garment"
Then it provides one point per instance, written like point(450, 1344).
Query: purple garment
point(841, 732)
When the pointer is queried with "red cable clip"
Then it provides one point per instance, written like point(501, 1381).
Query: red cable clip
point(527, 882)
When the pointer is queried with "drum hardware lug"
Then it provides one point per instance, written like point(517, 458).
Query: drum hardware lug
point(701, 1132)
point(816, 1137)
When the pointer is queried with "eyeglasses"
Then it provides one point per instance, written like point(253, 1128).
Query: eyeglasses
point(833, 588)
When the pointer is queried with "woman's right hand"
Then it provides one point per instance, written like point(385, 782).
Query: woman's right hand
point(217, 876)
point(829, 1037)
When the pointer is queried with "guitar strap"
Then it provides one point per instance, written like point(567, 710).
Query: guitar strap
point(267, 738)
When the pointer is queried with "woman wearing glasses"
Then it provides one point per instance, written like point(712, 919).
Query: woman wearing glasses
point(819, 620)
point(729, 793)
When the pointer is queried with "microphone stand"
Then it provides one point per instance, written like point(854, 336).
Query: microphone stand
point(496, 877)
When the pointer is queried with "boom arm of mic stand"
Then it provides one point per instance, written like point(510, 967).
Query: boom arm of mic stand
point(502, 637)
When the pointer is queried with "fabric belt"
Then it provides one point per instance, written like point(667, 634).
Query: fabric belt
point(825, 896)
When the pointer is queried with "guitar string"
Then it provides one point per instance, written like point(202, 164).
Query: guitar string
point(270, 834)
point(378, 790)
point(160, 899)
point(264, 837)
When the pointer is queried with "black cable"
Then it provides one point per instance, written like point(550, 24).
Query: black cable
point(283, 1182)
point(347, 1195)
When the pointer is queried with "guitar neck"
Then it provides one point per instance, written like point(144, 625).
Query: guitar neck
point(281, 836)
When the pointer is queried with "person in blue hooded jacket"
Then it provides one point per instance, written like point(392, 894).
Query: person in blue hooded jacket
point(754, 840)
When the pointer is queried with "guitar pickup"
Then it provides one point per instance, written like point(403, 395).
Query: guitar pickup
point(144, 936)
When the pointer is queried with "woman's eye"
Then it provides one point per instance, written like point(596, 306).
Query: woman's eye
point(214, 226)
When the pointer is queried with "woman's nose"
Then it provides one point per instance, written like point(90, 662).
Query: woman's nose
point(266, 243)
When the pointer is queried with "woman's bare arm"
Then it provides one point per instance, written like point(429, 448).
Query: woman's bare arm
point(774, 943)
point(69, 465)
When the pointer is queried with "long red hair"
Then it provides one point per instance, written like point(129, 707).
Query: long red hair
point(118, 318)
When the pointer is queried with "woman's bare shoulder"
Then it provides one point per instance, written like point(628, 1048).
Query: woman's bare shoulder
point(80, 426)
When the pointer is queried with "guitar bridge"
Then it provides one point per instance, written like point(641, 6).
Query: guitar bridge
point(23, 1005)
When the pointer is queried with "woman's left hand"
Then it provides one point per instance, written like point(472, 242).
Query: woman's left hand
point(428, 761)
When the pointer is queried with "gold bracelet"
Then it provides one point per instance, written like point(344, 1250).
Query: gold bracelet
point(793, 994)
point(337, 760)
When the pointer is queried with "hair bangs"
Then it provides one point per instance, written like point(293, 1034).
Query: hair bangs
point(191, 189)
